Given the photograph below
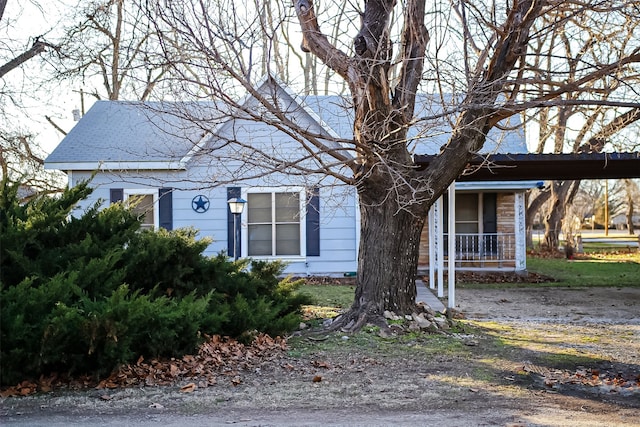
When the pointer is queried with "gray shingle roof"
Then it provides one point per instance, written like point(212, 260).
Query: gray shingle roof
point(429, 134)
point(119, 131)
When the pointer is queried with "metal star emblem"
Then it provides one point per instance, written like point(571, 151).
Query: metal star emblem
point(200, 204)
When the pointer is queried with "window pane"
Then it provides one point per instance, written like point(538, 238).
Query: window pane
point(287, 239)
point(287, 207)
point(259, 239)
point(467, 207)
point(466, 227)
point(259, 206)
point(142, 206)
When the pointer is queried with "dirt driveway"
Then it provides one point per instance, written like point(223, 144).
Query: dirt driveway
point(573, 305)
point(522, 357)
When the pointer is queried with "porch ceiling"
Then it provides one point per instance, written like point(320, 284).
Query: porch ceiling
point(519, 167)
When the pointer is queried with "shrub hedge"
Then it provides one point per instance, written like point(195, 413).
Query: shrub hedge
point(84, 294)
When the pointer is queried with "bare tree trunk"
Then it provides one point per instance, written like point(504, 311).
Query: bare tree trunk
point(36, 48)
point(3, 5)
point(555, 214)
point(387, 268)
point(553, 220)
point(628, 185)
point(562, 195)
point(533, 207)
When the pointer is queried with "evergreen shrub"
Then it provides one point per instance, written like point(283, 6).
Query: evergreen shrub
point(84, 294)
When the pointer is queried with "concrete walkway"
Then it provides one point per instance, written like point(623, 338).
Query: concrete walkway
point(428, 297)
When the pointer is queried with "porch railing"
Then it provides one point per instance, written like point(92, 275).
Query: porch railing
point(484, 250)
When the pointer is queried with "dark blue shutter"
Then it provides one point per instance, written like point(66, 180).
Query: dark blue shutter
point(490, 212)
point(231, 193)
point(116, 195)
point(313, 223)
point(165, 208)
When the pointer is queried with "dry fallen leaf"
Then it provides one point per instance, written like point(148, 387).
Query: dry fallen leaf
point(317, 379)
point(173, 370)
point(319, 364)
point(188, 388)
point(11, 391)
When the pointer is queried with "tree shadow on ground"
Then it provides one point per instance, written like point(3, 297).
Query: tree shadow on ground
point(543, 363)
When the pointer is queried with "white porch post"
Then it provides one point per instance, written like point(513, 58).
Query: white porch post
point(520, 229)
point(451, 263)
point(439, 246)
point(432, 249)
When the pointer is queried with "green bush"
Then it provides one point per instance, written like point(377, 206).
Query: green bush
point(81, 295)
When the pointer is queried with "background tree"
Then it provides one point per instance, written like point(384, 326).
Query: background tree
point(632, 196)
point(473, 57)
point(21, 156)
point(588, 117)
point(109, 51)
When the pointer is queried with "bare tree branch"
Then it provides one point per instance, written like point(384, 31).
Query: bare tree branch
point(36, 48)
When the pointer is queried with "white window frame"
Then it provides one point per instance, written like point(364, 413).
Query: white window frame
point(129, 192)
point(303, 222)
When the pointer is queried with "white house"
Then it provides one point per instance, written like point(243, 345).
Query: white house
point(182, 172)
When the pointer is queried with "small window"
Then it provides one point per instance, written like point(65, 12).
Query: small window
point(273, 221)
point(143, 206)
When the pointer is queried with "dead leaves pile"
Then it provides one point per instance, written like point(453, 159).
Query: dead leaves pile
point(620, 383)
point(217, 358)
point(498, 277)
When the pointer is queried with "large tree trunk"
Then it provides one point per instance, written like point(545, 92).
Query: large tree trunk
point(630, 226)
point(387, 260)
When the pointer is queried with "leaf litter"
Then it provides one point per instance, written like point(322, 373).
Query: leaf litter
point(217, 358)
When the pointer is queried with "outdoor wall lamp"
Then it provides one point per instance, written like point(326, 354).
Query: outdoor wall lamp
point(236, 206)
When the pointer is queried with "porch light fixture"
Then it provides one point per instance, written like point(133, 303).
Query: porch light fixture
point(236, 206)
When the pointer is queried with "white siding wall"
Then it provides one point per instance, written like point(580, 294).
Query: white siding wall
point(338, 233)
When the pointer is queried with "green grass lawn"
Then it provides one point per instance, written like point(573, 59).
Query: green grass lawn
point(621, 268)
point(595, 269)
point(330, 300)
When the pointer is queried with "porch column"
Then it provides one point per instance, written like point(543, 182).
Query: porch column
point(520, 230)
point(439, 246)
point(432, 248)
point(451, 260)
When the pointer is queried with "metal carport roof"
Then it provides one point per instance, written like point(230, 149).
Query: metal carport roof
point(518, 167)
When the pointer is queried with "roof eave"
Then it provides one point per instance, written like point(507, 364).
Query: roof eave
point(119, 166)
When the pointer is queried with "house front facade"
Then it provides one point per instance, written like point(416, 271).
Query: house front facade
point(177, 173)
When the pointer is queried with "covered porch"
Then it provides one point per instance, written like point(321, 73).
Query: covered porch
point(505, 169)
